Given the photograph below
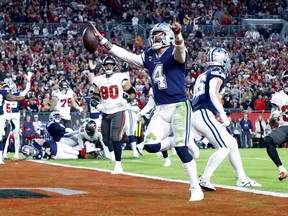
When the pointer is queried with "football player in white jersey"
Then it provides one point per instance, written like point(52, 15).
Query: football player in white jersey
point(88, 134)
point(279, 135)
point(207, 106)
point(6, 95)
point(108, 98)
point(12, 114)
point(165, 62)
point(62, 100)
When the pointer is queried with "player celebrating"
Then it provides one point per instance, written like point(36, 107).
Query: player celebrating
point(166, 63)
point(5, 95)
point(62, 100)
point(206, 107)
point(279, 135)
point(108, 98)
point(12, 113)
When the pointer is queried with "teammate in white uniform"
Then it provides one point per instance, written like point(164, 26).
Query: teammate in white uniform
point(206, 107)
point(166, 63)
point(108, 98)
point(279, 135)
point(62, 100)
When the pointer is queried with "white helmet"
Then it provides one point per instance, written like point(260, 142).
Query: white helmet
point(161, 35)
point(219, 57)
point(284, 81)
point(55, 116)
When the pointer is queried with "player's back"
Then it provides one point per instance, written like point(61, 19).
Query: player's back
point(201, 96)
point(168, 76)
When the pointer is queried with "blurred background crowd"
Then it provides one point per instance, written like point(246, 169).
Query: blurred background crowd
point(44, 36)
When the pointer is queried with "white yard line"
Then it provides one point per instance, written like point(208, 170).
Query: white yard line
point(250, 190)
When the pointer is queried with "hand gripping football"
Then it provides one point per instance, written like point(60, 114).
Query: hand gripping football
point(90, 41)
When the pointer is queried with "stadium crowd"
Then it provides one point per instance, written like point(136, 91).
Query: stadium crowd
point(257, 59)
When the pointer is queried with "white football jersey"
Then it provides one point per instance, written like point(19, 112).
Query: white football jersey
point(64, 100)
point(111, 90)
point(8, 109)
point(280, 99)
point(83, 134)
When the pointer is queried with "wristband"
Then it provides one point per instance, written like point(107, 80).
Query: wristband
point(178, 37)
point(103, 41)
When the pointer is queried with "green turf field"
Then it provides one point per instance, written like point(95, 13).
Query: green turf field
point(257, 164)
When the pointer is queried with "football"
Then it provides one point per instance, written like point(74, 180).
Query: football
point(90, 41)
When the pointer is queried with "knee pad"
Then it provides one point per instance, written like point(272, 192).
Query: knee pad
point(183, 154)
point(153, 148)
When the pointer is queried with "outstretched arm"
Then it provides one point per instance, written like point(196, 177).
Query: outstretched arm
point(118, 51)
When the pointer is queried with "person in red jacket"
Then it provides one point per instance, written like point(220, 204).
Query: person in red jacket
point(259, 104)
point(27, 131)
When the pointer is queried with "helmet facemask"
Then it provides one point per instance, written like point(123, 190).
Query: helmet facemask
point(109, 65)
point(161, 35)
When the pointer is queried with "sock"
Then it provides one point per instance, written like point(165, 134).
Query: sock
point(117, 150)
point(165, 154)
point(214, 161)
point(236, 162)
point(191, 171)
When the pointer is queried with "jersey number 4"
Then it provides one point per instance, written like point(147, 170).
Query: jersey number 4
point(159, 77)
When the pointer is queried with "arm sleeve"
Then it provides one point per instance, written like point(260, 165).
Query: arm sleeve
point(26, 90)
point(127, 56)
point(148, 106)
point(179, 53)
point(215, 96)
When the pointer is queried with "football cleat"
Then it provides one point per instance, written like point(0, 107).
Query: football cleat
point(248, 183)
point(196, 194)
point(118, 169)
point(206, 185)
point(167, 162)
point(282, 175)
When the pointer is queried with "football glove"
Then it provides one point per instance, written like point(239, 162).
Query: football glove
point(29, 95)
point(225, 120)
point(125, 67)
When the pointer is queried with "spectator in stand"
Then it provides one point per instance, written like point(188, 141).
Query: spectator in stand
point(46, 103)
point(260, 133)
point(32, 106)
point(259, 104)
point(37, 124)
point(267, 102)
point(246, 131)
point(27, 131)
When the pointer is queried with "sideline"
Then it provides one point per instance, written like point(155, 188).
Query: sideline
point(249, 190)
